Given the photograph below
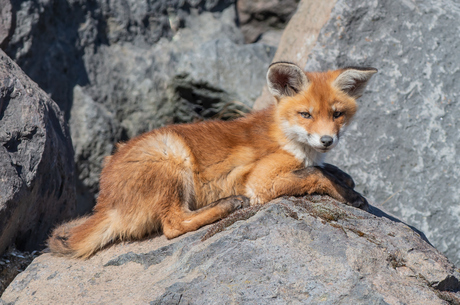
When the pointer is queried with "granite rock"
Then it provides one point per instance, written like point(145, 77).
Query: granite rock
point(264, 21)
point(219, 80)
point(37, 177)
point(292, 250)
point(6, 21)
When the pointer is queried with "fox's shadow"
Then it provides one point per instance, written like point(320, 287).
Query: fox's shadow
point(379, 213)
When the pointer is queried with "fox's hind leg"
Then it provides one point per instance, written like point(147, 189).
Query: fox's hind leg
point(180, 219)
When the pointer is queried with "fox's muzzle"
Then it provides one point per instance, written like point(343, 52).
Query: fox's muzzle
point(327, 141)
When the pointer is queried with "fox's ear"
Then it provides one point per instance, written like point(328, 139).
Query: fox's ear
point(353, 80)
point(285, 79)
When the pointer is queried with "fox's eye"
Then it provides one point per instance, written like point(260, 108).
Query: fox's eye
point(337, 114)
point(305, 115)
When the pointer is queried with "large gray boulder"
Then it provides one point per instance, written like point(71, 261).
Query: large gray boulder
point(37, 177)
point(6, 20)
point(219, 80)
point(403, 149)
point(135, 64)
point(57, 43)
point(291, 251)
point(262, 20)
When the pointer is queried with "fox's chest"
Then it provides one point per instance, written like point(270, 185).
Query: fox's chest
point(304, 153)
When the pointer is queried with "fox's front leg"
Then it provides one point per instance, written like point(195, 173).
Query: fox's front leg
point(325, 183)
point(308, 180)
point(339, 174)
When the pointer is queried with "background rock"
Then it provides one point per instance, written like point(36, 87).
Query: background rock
point(298, 38)
point(209, 81)
point(403, 149)
point(134, 63)
point(98, 129)
point(37, 179)
point(6, 20)
point(263, 20)
point(292, 251)
point(12, 262)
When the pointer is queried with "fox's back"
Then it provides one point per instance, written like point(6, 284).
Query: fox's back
point(245, 139)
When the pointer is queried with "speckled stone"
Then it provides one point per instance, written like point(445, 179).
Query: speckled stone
point(292, 251)
point(37, 172)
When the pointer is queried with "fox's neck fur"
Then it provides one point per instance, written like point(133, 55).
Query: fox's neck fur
point(300, 150)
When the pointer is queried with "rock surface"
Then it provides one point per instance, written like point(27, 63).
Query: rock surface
point(292, 250)
point(210, 82)
point(6, 20)
point(134, 63)
point(37, 180)
point(13, 262)
point(403, 149)
point(263, 20)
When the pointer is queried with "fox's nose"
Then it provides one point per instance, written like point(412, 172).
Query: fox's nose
point(327, 140)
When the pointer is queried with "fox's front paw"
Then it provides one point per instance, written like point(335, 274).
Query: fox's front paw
point(339, 174)
point(358, 201)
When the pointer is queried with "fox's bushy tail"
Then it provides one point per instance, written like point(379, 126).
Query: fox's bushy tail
point(82, 237)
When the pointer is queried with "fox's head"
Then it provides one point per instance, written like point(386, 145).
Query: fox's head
point(313, 108)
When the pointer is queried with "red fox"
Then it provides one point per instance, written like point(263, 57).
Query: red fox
point(179, 178)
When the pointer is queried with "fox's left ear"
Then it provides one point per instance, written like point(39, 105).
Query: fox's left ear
point(285, 79)
point(353, 80)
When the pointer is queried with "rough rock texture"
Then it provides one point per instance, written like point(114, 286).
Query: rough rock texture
point(403, 149)
point(96, 127)
point(291, 251)
point(6, 20)
point(209, 87)
point(37, 179)
point(299, 38)
point(133, 62)
point(13, 262)
point(263, 20)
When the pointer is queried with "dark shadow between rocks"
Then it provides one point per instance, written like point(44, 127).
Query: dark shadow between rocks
point(56, 36)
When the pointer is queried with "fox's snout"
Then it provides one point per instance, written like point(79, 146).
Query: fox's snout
point(324, 143)
point(321, 142)
point(326, 140)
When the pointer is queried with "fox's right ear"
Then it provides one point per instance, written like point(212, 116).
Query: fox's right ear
point(353, 80)
point(285, 79)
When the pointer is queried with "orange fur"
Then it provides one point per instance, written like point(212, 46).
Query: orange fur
point(181, 177)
